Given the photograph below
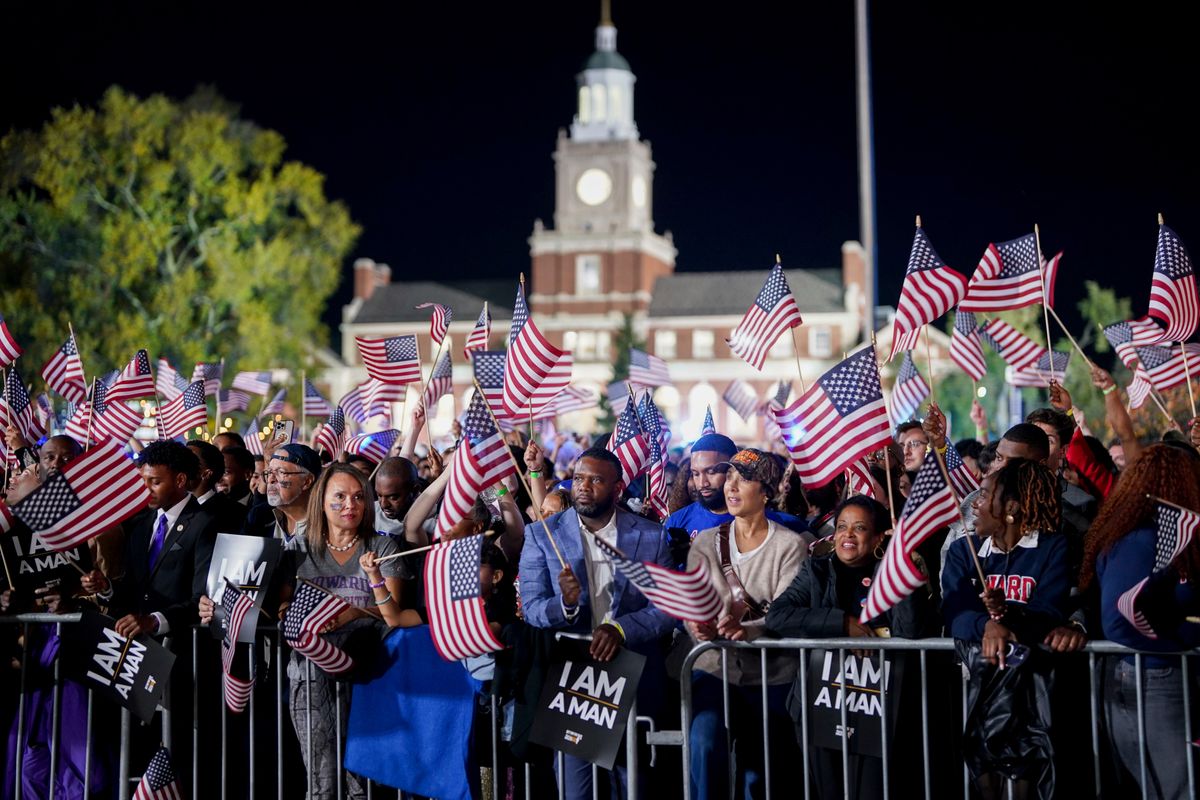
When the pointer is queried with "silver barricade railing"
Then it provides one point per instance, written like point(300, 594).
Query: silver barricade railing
point(883, 647)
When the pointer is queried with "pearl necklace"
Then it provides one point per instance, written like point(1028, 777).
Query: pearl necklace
point(343, 549)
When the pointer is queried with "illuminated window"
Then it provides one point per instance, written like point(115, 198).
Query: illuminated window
point(603, 345)
point(587, 274)
point(585, 110)
point(664, 344)
point(570, 340)
point(585, 349)
point(599, 104)
point(820, 342)
point(702, 344)
point(614, 104)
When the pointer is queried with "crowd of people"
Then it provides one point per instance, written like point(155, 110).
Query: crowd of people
point(1062, 526)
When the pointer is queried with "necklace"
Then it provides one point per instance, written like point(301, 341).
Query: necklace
point(342, 549)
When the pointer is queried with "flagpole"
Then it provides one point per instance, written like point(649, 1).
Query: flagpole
point(962, 521)
point(303, 403)
point(1037, 236)
point(795, 348)
point(536, 506)
point(1074, 343)
point(1154, 396)
point(425, 387)
point(887, 459)
point(929, 361)
point(87, 443)
point(1187, 373)
point(78, 355)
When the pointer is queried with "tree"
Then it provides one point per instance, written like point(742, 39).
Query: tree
point(175, 226)
point(626, 338)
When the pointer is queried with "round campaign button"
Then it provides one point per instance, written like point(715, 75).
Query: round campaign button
point(866, 581)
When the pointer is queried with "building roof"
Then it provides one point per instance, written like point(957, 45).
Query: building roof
point(395, 302)
point(604, 59)
point(687, 294)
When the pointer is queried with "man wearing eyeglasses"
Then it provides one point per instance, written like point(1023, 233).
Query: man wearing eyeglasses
point(914, 442)
point(290, 475)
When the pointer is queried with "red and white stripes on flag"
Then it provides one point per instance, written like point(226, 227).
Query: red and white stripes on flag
point(687, 595)
point(379, 396)
point(1165, 365)
point(1050, 276)
point(135, 381)
point(166, 383)
point(211, 374)
point(1039, 375)
point(236, 605)
point(534, 369)
point(158, 782)
point(1139, 388)
point(315, 404)
point(618, 396)
point(374, 446)
point(1173, 289)
point(185, 412)
point(774, 311)
point(106, 418)
point(930, 290)
point(439, 323)
point(391, 360)
point(742, 398)
point(16, 410)
point(574, 398)
point(1128, 335)
point(275, 406)
point(1017, 349)
point(457, 620)
point(628, 443)
point(859, 479)
point(658, 435)
point(1007, 277)
point(909, 391)
point(258, 383)
point(931, 505)
point(839, 419)
point(965, 348)
point(1175, 529)
point(482, 459)
point(647, 370)
point(478, 338)
point(961, 477)
point(332, 436)
point(311, 609)
point(64, 371)
point(9, 349)
point(440, 382)
point(95, 491)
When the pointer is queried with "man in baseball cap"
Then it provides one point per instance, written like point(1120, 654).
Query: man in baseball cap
point(290, 476)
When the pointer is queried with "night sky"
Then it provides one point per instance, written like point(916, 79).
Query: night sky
point(435, 122)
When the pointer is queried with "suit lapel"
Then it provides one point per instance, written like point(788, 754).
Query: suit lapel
point(568, 536)
point(174, 533)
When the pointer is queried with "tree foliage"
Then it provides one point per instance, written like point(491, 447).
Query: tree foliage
point(625, 339)
point(175, 226)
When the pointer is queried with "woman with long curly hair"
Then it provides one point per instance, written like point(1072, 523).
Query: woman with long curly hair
point(1118, 554)
point(997, 627)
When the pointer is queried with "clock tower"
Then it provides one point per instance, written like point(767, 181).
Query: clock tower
point(602, 256)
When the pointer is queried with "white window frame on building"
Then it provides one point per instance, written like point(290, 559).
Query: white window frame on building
point(587, 274)
point(585, 346)
point(664, 344)
point(820, 341)
point(704, 343)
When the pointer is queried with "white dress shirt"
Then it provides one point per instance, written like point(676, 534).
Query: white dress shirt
point(172, 515)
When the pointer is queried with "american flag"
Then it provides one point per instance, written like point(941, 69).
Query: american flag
point(311, 609)
point(95, 491)
point(441, 380)
point(9, 349)
point(457, 620)
point(1017, 349)
point(1128, 335)
point(1007, 277)
point(43, 411)
point(628, 443)
point(184, 412)
point(250, 435)
point(771, 431)
point(687, 595)
point(533, 368)
point(379, 397)
point(1139, 388)
point(374, 446)
point(17, 410)
point(391, 360)
point(574, 398)
point(236, 605)
point(742, 398)
point(169, 384)
point(708, 425)
point(618, 395)
point(332, 436)
point(647, 370)
point(482, 459)
point(315, 404)
point(478, 340)
point(105, 417)
point(109, 378)
point(965, 348)
point(64, 372)
point(158, 783)
point(276, 404)
point(1050, 274)
point(1164, 364)
point(1176, 527)
point(353, 402)
point(1038, 376)
point(440, 322)
point(1173, 288)
point(840, 418)
point(135, 381)
point(489, 376)
point(909, 391)
point(211, 374)
point(931, 505)
point(657, 437)
point(773, 312)
point(930, 290)
point(961, 478)
point(858, 478)
point(230, 400)
point(258, 383)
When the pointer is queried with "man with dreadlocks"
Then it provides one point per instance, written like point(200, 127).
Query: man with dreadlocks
point(997, 627)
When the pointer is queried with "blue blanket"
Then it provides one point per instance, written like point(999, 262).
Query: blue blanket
point(410, 728)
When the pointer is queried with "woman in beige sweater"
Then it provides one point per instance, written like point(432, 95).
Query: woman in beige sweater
point(752, 560)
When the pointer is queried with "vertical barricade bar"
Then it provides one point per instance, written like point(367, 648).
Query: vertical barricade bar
point(224, 740)
point(925, 724)
point(804, 718)
point(685, 724)
point(1141, 718)
point(841, 684)
point(337, 737)
point(87, 751)
point(123, 769)
point(17, 789)
point(631, 755)
point(965, 773)
point(1094, 702)
point(528, 778)
point(308, 723)
point(730, 763)
point(495, 748)
point(250, 713)
point(55, 713)
point(883, 716)
point(1187, 726)
point(766, 727)
point(279, 703)
point(196, 716)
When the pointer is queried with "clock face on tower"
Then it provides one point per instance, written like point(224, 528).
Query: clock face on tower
point(593, 187)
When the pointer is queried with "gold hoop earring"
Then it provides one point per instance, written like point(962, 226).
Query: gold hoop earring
point(878, 552)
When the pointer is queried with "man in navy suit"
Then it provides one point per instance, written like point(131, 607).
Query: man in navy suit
point(588, 595)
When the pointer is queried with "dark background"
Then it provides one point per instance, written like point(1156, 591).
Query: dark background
point(435, 122)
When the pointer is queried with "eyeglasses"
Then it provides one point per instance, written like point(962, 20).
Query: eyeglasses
point(279, 473)
point(914, 444)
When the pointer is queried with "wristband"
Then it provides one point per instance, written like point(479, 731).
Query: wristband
point(533, 473)
point(1071, 412)
point(501, 492)
point(1109, 390)
point(379, 585)
point(941, 450)
point(384, 601)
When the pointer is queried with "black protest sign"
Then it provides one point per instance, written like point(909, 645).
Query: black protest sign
point(130, 672)
point(585, 703)
point(861, 689)
point(34, 565)
point(248, 562)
